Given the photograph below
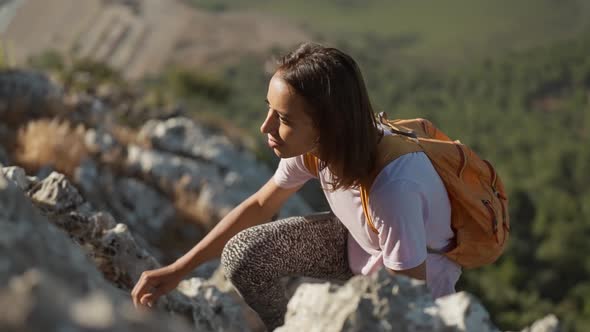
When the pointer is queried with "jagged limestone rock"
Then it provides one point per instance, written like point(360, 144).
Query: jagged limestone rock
point(549, 323)
point(381, 302)
point(464, 312)
point(17, 176)
point(40, 301)
point(30, 241)
point(224, 174)
point(55, 193)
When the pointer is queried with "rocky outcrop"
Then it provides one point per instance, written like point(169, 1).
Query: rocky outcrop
point(382, 303)
point(140, 183)
point(225, 174)
point(73, 278)
point(549, 323)
point(209, 165)
point(64, 265)
point(37, 300)
point(170, 180)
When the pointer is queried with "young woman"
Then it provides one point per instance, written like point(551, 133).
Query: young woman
point(318, 104)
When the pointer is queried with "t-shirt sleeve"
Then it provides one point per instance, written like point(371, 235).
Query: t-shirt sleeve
point(398, 212)
point(292, 172)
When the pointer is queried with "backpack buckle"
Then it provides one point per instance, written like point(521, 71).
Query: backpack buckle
point(383, 119)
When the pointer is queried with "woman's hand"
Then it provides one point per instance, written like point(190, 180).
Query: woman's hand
point(154, 283)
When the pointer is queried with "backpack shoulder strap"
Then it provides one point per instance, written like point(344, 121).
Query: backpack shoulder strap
point(311, 163)
point(389, 149)
point(417, 127)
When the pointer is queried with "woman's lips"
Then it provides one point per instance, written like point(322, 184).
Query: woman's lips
point(272, 143)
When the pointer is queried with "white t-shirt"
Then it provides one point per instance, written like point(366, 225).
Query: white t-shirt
point(409, 207)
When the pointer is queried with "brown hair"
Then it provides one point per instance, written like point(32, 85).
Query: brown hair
point(332, 84)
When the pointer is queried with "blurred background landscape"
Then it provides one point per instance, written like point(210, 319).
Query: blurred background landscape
point(509, 79)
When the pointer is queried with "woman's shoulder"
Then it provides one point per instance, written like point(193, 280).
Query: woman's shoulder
point(413, 167)
point(411, 173)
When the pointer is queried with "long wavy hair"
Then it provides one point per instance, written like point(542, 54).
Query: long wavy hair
point(332, 84)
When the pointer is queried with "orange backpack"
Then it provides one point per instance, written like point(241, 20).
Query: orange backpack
point(479, 204)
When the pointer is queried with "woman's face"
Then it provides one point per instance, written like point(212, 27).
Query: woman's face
point(290, 131)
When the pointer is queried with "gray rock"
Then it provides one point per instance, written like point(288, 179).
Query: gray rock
point(25, 94)
point(464, 312)
point(222, 174)
point(215, 200)
point(28, 240)
point(17, 176)
point(142, 205)
point(216, 306)
point(41, 301)
point(150, 215)
point(99, 141)
point(207, 166)
point(182, 136)
point(86, 176)
point(203, 179)
point(381, 303)
point(166, 168)
point(145, 210)
point(56, 194)
point(549, 323)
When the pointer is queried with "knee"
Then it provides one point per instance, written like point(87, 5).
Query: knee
point(235, 254)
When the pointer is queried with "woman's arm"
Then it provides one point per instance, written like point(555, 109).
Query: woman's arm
point(255, 210)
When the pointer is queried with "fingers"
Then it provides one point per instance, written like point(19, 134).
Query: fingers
point(149, 299)
point(142, 286)
point(150, 286)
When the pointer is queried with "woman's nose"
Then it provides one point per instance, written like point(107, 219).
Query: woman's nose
point(269, 124)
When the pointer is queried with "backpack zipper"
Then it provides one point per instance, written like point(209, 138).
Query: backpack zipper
point(487, 204)
point(493, 174)
point(463, 162)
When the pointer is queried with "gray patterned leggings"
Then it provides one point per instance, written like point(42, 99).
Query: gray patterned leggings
point(258, 257)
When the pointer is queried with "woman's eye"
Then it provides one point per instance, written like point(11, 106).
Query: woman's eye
point(285, 121)
point(282, 119)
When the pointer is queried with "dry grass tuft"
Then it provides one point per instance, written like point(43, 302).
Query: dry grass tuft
point(126, 135)
point(50, 142)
